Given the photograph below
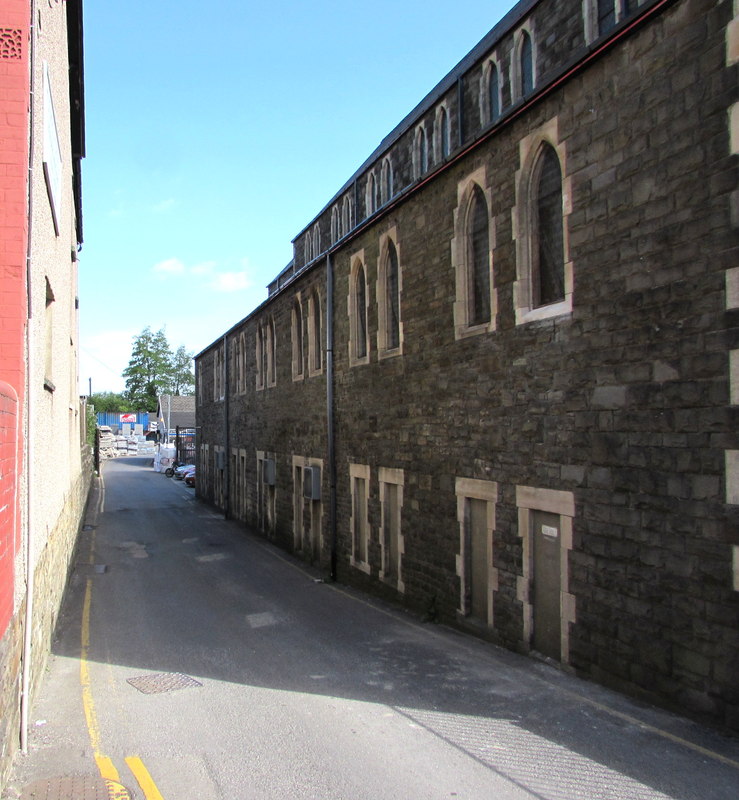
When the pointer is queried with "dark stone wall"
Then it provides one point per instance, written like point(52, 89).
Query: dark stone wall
point(624, 402)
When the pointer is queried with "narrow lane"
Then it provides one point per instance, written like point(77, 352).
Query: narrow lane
point(226, 669)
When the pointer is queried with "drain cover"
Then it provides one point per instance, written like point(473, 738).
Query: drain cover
point(78, 787)
point(162, 682)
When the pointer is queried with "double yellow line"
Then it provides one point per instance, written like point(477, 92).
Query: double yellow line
point(108, 771)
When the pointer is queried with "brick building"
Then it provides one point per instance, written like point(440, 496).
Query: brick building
point(44, 469)
point(499, 380)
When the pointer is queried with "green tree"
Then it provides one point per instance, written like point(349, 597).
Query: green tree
point(182, 378)
point(110, 401)
point(148, 373)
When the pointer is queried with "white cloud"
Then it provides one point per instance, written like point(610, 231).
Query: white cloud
point(230, 282)
point(171, 266)
point(204, 268)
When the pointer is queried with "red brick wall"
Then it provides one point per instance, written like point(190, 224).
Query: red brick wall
point(14, 103)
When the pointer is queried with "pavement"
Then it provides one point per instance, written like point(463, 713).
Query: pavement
point(193, 660)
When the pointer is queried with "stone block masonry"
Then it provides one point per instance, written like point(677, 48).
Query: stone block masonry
point(569, 469)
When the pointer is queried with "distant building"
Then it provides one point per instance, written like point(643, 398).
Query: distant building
point(45, 466)
point(499, 381)
point(174, 411)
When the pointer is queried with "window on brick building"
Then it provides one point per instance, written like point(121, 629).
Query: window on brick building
point(606, 15)
point(297, 339)
point(524, 62)
point(391, 535)
point(478, 242)
point(544, 283)
point(315, 340)
point(307, 248)
point(386, 181)
point(371, 199)
point(335, 225)
point(347, 215)
point(316, 241)
point(493, 93)
point(261, 358)
point(420, 152)
point(358, 333)
point(443, 136)
point(271, 353)
point(389, 331)
point(359, 476)
point(472, 253)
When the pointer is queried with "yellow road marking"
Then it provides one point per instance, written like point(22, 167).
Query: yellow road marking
point(148, 787)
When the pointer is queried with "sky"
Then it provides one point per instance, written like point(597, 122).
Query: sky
point(216, 131)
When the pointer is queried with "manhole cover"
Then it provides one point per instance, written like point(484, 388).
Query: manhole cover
point(78, 787)
point(162, 682)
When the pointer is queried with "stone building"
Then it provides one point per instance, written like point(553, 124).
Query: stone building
point(498, 382)
point(45, 467)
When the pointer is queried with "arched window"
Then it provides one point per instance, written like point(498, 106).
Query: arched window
point(392, 297)
point(346, 216)
point(315, 341)
point(478, 258)
point(308, 249)
point(548, 284)
point(261, 359)
point(297, 326)
point(493, 93)
point(526, 55)
point(335, 225)
point(444, 141)
point(421, 152)
point(360, 293)
point(386, 180)
point(271, 354)
point(371, 194)
point(316, 241)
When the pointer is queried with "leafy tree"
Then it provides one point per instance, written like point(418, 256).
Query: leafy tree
point(110, 401)
point(182, 379)
point(148, 373)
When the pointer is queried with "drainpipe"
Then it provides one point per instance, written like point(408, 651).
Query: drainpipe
point(31, 409)
point(226, 432)
point(330, 410)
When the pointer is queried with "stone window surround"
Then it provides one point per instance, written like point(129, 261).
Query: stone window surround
point(347, 215)
point(301, 462)
point(420, 136)
point(386, 180)
point(266, 495)
point(297, 330)
point(383, 351)
point(517, 77)
point(259, 353)
point(360, 472)
point(271, 343)
point(356, 260)
point(529, 499)
point(590, 17)
point(524, 234)
point(371, 198)
point(439, 155)
point(460, 256)
point(485, 107)
point(396, 477)
point(335, 225)
point(466, 489)
point(315, 348)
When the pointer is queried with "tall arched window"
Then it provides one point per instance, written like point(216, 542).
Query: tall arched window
point(526, 56)
point(392, 297)
point(478, 258)
point(548, 285)
point(346, 216)
point(315, 341)
point(606, 15)
point(386, 180)
point(308, 248)
point(360, 319)
point(444, 140)
point(335, 225)
point(297, 320)
point(261, 359)
point(494, 93)
point(371, 194)
point(316, 241)
point(422, 152)
point(271, 354)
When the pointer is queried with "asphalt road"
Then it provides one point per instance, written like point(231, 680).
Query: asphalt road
point(195, 661)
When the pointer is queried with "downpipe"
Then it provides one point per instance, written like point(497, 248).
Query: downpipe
point(330, 411)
